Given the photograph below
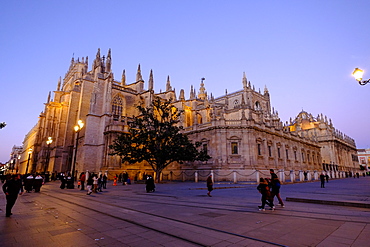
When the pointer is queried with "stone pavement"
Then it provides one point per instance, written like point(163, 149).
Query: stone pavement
point(181, 214)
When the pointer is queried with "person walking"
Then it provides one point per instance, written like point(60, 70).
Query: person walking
point(12, 188)
point(95, 182)
point(28, 183)
point(275, 187)
point(150, 186)
point(115, 180)
point(100, 183)
point(82, 180)
point(322, 179)
point(124, 178)
point(39, 180)
point(62, 181)
point(104, 181)
point(264, 189)
point(89, 184)
point(209, 185)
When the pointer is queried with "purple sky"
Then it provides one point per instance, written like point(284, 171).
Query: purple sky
point(303, 51)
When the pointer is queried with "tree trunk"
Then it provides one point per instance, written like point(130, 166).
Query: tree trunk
point(158, 175)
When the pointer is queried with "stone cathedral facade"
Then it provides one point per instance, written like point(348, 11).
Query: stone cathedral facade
point(241, 131)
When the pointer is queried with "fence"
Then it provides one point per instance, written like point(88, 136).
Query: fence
point(246, 176)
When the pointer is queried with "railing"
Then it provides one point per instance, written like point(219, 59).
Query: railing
point(246, 176)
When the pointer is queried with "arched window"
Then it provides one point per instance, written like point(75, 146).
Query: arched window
point(257, 106)
point(234, 143)
point(117, 107)
point(188, 117)
point(236, 103)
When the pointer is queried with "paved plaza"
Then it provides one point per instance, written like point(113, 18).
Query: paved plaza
point(181, 214)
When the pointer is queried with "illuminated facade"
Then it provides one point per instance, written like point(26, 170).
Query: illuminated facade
point(338, 151)
point(240, 130)
point(364, 158)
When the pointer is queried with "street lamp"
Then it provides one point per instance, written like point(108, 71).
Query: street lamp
point(358, 73)
point(28, 161)
point(48, 142)
point(77, 129)
point(17, 167)
point(12, 163)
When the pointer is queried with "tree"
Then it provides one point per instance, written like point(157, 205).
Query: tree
point(155, 137)
point(2, 125)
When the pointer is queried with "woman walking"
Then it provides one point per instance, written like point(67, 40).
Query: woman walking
point(209, 185)
point(264, 189)
point(89, 184)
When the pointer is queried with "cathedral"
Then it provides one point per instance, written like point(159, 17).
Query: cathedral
point(241, 131)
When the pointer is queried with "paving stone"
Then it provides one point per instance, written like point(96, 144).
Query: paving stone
point(229, 218)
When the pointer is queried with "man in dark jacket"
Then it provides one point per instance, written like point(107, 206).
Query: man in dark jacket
point(12, 188)
point(275, 187)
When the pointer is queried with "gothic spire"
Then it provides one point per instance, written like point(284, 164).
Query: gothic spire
point(108, 62)
point(168, 85)
point(192, 95)
point(245, 83)
point(123, 78)
point(266, 91)
point(202, 89)
point(138, 74)
point(49, 96)
point(97, 61)
point(59, 82)
point(151, 81)
point(182, 94)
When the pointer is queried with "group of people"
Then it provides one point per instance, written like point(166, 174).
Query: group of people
point(268, 187)
point(124, 178)
point(33, 182)
point(14, 185)
point(94, 182)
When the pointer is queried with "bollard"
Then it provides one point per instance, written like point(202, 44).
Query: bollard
point(301, 177)
point(309, 176)
point(281, 175)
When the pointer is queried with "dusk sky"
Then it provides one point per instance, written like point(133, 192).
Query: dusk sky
point(303, 51)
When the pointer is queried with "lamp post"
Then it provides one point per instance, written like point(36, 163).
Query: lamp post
point(77, 129)
point(12, 162)
point(48, 142)
point(17, 167)
point(358, 73)
point(28, 161)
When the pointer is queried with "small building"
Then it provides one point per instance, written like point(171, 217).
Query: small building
point(364, 159)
